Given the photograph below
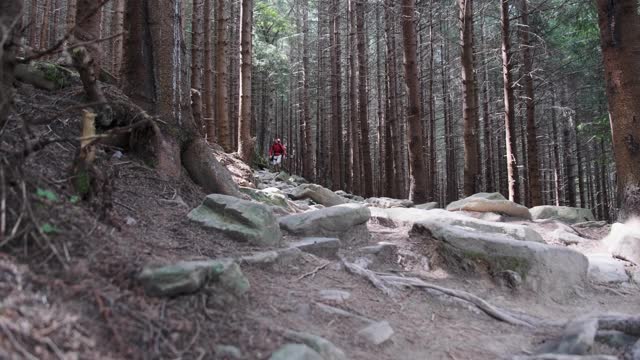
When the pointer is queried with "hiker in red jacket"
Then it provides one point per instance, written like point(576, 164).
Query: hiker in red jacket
point(276, 152)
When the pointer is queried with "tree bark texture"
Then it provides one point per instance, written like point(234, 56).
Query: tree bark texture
point(222, 92)
point(509, 110)
point(619, 23)
point(469, 100)
point(245, 142)
point(418, 175)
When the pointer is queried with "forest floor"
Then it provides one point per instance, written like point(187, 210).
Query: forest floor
point(76, 296)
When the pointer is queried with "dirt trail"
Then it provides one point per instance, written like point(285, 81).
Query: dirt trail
point(92, 307)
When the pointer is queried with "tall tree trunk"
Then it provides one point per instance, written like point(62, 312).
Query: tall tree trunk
point(418, 175)
point(118, 41)
point(353, 101)
point(603, 175)
point(222, 93)
point(245, 143)
point(556, 152)
point(469, 99)
point(44, 26)
point(432, 192)
point(197, 33)
point(533, 169)
point(207, 92)
point(509, 110)
point(336, 99)
point(156, 79)
point(619, 23)
point(307, 147)
point(392, 119)
point(367, 176)
point(33, 19)
point(10, 10)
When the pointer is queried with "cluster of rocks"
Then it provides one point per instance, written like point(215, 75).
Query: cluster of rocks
point(578, 339)
point(471, 235)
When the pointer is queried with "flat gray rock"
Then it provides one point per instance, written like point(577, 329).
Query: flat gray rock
point(227, 352)
point(570, 215)
point(186, 277)
point(295, 352)
point(566, 237)
point(564, 357)
point(578, 336)
point(324, 347)
point(427, 206)
point(386, 202)
point(323, 247)
point(241, 220)
point(447, 218)
point(603, 268)
point(317, 193)
point(624, 240)
point(550, 270)
point(490, 202)
point(376, 333)
point(347, 222)
point(334, 295)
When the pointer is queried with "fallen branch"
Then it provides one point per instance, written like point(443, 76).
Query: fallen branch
point(369, 275)
point(473, 299)
point(314, 271)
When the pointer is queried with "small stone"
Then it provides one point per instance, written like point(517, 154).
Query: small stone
point(295, 352)
point(510, 279)
point(615, 339)
point(130, 221)
point(578, 336)
point(324, 347)
point(336, 296)
point(228, 352)
point(376, 333)
point(323, 247)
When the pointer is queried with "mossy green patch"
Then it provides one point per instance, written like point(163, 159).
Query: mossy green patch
point(471, 261)
point(59, 75)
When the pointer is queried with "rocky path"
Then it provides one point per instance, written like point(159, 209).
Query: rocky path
point(380, 278)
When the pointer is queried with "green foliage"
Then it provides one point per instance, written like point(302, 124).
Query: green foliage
point(74, 199)
point(83, 182)
point(60, 76)
point(46, 194)
point(47, 228)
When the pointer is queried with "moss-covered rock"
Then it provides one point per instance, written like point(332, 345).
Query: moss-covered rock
point(59, 75)
point(186, 277)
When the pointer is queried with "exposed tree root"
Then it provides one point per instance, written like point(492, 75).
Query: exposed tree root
point(629, 325)
point(381, 282)
point(369, 275)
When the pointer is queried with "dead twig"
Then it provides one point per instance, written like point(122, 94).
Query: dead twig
point(369, 275)
point(314, 271)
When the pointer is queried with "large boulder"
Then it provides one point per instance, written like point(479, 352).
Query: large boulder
point(547, 269)
point(385, 202)
point(346, 222)
point(208, 172)
point(565, 214)
point(447, 218)
point(319, 194)
point(295, 352)
point(603, 268)
point(624, 240)
point(427, 206)
point(270, 196)
point(241, 220)
point(490, 202)
point(186, 277)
